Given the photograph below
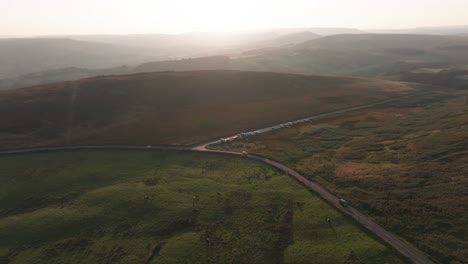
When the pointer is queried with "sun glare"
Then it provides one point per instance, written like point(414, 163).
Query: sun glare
point(212, 15)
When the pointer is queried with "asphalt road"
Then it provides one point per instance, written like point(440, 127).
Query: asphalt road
point(393, 241)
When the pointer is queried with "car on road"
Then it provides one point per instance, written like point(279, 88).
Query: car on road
point(344, 203)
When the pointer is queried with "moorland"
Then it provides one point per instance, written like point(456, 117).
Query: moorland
point(404, 164)
point(175, 107)
point(168, 207)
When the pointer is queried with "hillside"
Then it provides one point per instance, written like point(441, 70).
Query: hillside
point(23, 56)
point(328, 31)
point(199, 43)
point(183, 45)
point(371, 55)
point(387, 56)
point(448, 30)
point(203, 63)
point(291, 39)
point(159, 207)
point(455, 78)
point(74, 73)
point(174, 107)
point(59, 75)
point(385, 41)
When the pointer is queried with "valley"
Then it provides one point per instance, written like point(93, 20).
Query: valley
point(213, 132)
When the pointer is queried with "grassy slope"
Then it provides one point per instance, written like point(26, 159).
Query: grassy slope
point(124, 206)
point(173, 107)
point(370, 55)
point(28, 55)
point(403, 164)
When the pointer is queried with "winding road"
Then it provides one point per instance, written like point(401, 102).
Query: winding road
point(390, 239)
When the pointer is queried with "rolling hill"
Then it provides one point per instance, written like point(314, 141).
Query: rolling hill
point(194, 64)
point(291, 39)
point(174, 107)
point(329, 31)
point(33, 61)
point(182, 45)
point(385, 41)
point(448, 30)
point(388, 56)
point(23, 56)
point(199, 43)
point(367, 55)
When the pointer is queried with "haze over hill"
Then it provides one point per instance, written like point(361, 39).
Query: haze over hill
point(198, 44)
point(391, 56)
point(27, 56)
point(448, 30)
point(22, 56)
point(364, 54)
point(143, 132)
point(31, 61)
point(187, 44)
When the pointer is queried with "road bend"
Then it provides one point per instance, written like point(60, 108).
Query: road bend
point(390, 239)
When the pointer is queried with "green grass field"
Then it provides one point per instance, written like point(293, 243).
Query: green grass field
point(167, 207)
point(404, 164)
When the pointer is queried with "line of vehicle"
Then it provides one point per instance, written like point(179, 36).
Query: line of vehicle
point(305, 119)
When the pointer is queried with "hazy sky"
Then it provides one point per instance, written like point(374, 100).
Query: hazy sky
point(49, 17)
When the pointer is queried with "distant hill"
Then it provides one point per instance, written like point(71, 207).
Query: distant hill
point(322, 31)
point(368, 55)
point(455, 78)
point(199, 44)
point(59, 75)
point(173, 107)
point(335, 31)
point(23, 56)
point(291, 39)
point(204, 63)
point(74, 73)
point(26, 61)
point(189, 40)
point(194, 44)
point(364, 55)
point(385, 41)
point(449, 30)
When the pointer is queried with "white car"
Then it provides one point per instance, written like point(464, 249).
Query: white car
point(343, 203)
